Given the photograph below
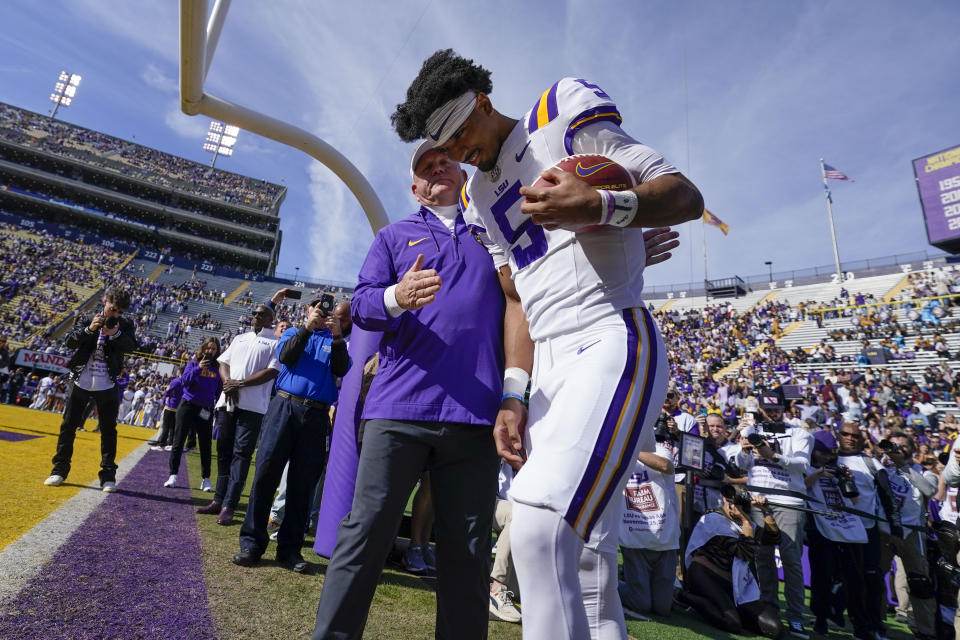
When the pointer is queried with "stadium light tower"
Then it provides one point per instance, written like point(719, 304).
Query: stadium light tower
point(220, 140)
point(64, 91)
point(769, 264)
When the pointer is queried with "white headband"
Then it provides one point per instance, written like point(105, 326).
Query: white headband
point(448, 117)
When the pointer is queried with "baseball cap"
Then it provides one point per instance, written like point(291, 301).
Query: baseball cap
point(824, 440)
point(418, 152)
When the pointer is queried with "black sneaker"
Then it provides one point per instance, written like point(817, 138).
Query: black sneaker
point(294, 563)
point(246, 558)
point(797, 630)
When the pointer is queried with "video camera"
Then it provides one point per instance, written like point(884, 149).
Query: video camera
point(739, 498)
point(661, 432)
point(845, 481)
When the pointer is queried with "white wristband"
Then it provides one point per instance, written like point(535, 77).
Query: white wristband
point(515, 381)
point(625, 205)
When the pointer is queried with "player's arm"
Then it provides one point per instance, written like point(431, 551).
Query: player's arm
point(663, 196)
point(511, 421)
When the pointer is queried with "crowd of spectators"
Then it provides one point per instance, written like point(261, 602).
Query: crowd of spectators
point(130, 159)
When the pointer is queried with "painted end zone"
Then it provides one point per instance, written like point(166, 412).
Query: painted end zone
point(25, 464)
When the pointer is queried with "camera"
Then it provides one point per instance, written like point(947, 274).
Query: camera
point(845, 481)
point(756, 439)
point(661, 432)
point(740, 499)
point(888, 447)
point(111, 322)
point(327, 303)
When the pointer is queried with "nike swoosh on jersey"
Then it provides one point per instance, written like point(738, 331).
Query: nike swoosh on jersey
point(410, 243)
point(519, 156)
point(585, 172)
point(584, 348)
point(436, 136)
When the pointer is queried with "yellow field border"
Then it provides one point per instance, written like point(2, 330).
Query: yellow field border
point(24, 465)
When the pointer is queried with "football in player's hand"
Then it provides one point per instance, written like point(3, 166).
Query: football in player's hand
point(598, 171)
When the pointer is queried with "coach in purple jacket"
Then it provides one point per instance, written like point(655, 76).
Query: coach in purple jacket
point(432, 289)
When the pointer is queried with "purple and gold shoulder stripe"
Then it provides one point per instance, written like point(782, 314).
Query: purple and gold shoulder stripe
point(607, 113)
point(545, 110)
point(464, 197)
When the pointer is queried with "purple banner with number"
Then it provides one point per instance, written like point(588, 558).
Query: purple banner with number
point(938, 182)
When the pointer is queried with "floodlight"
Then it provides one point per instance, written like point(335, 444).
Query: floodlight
point(220, 139)
point(66, 90)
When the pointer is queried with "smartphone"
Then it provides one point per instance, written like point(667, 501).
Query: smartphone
point(293, 294)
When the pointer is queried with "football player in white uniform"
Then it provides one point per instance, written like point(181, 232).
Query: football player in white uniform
point(599, 370)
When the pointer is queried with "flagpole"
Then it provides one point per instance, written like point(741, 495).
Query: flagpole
point(703, 237)
point(833, 231)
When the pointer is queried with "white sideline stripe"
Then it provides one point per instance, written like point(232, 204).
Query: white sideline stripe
point(27, 555)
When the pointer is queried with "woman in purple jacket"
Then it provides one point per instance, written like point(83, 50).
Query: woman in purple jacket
point(171, 400)
point(201, 388)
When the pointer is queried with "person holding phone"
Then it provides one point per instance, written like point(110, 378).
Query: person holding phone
point(100, 344)
point(201, 387)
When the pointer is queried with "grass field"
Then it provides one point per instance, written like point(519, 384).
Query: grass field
point(269, 599)
point(266, 601)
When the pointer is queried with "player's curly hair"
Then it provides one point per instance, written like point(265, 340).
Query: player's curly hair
point(443, 77)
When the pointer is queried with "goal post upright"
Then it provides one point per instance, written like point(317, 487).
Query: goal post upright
point(198, 42)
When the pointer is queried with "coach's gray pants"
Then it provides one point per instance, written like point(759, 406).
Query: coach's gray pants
point(463, 466)
point(790, 523)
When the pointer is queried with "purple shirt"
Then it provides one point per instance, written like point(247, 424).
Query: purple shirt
point(173, 394)
point(444, 362)
point(201, 386)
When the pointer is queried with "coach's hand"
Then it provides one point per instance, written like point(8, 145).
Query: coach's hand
point(658, 243)
point(508, 432)
point(418, 288)
point(572, 204)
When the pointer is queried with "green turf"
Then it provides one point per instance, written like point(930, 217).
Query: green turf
point(270, 602)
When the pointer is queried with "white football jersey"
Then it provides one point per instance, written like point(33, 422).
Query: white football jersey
point(566, 280)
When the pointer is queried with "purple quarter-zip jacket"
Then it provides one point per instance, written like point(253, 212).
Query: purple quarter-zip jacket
point(444, 362)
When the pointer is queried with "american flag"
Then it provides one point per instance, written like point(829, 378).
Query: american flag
point(833, 174)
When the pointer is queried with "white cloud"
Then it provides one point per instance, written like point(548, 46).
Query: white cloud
point(154, 77)
point(190, 127)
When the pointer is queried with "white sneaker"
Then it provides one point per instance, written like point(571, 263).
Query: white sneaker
point(109, 487)
point(630, 614)
point(502, 607)
point(171, 482)
point(54, 481)
point(205, 485)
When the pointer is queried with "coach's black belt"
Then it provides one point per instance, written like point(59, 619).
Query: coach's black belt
point(307, 402)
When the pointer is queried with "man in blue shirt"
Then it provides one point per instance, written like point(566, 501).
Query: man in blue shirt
point(294, 430)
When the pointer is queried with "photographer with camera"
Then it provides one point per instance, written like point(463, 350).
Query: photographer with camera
point(835, 542)
point(911, 490)
point(100, 344)
point(649, 535)
point(671, 422)
point(875, 499)
point(951, 478)
point(720, 584)
point(778, 461)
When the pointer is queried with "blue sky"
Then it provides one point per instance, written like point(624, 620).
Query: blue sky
point(744, 97)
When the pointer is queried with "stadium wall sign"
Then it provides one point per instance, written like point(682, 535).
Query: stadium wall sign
point(938, 183)
point(41, 360)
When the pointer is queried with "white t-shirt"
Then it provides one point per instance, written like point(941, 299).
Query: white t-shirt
point(843, 527)
point(794, 448)
point(948, 506)
point(908, 497)
point(651, 516)
point(248, 353)
point(864, 469)
point(95, 375)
